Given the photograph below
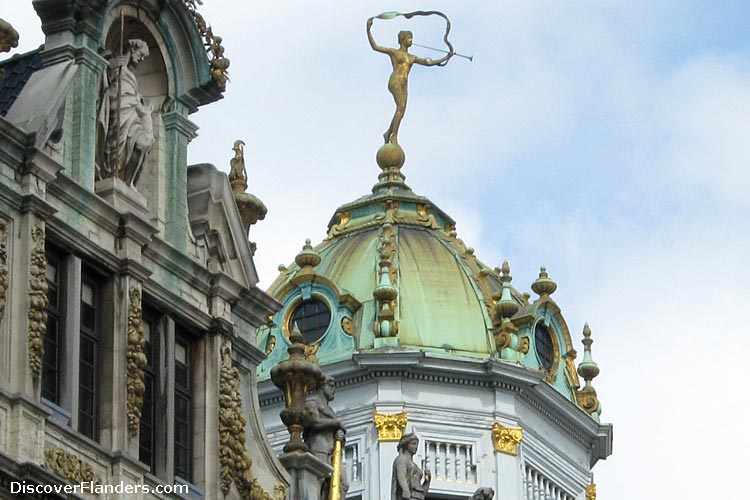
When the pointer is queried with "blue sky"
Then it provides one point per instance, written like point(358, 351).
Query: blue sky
point(607, 140)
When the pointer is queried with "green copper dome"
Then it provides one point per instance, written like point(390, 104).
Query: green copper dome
point(393, 275)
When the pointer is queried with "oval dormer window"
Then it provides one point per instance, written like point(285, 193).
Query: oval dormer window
point(545, 349)
point(312, 317)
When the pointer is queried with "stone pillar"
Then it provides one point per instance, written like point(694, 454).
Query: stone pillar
point(81, 117)
point(179, 132)
point(206, 405)
point(307, 474)
point(508, 464)
point(113, 389)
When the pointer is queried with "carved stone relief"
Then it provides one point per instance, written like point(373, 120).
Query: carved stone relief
point(136, 362)
point(37, 301)
point(3, 268)
point(69, 466)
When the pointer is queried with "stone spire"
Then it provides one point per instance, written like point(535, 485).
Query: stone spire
point(588, 369)
point(506, 333)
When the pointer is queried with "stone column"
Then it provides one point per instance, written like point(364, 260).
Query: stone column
point(179, 132)
point(508, 464)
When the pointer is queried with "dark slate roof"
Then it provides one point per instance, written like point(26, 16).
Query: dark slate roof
point(18, 69)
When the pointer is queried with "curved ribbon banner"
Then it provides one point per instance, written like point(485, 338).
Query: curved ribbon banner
point(409, 15)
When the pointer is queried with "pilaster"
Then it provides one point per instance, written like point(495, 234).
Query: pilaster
point(179, 132)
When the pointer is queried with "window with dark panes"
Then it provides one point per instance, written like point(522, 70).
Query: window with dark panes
point(312, 317)
point(51, 368)
point(88, 371)
point(183, 408)
point(545, 349)
point(147, 434)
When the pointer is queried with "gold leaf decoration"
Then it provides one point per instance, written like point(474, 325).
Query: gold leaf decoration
point(390, 427)
point(38, 302)
point(3, 268)
point(69, 466)
point(506, 439)
point(136, 362)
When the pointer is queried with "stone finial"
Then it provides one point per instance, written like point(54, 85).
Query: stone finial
point(307, 259)
point(506, 306)
point(507, 342)
point(296, 376)
point(543, 286)
point(588, 369)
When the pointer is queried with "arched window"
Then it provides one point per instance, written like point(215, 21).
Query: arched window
point(545, 349)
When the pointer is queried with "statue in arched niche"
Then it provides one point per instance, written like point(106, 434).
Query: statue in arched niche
point(126, 130)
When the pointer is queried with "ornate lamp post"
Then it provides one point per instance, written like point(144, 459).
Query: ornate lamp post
point(295, 376)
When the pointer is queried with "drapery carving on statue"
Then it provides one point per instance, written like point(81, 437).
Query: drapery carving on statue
point(126, 130)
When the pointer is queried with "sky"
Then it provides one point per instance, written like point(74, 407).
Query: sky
point(605, 140)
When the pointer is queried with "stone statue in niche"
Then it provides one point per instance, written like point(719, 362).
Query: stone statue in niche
point(323, 429)
point(126, 130)
point(406, 479)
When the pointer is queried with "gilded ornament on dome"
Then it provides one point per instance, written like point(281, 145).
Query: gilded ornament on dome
point(506, 439)
point(271, 344)
point(311, 351)
point(425, 218)
point(340, 226)
point(390, 427)
point(347, 325)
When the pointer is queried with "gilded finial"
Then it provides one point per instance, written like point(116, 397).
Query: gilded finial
point(588, 369)
point(543, 286)
point(307, 259)
point(251, 208)
point(237, 170)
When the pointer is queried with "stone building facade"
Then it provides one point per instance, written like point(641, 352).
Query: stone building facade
point(128, 297)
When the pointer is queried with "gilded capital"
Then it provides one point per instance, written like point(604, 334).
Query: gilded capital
point(506, 439)
point(390, 427)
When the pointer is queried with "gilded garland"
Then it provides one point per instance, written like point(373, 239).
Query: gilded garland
point(217, 62)
point(37, 301)
point(69, 466)
point(3, 268)
point(234, 460)
point(136, 362)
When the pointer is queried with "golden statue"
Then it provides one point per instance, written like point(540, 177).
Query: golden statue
point(402, 62)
